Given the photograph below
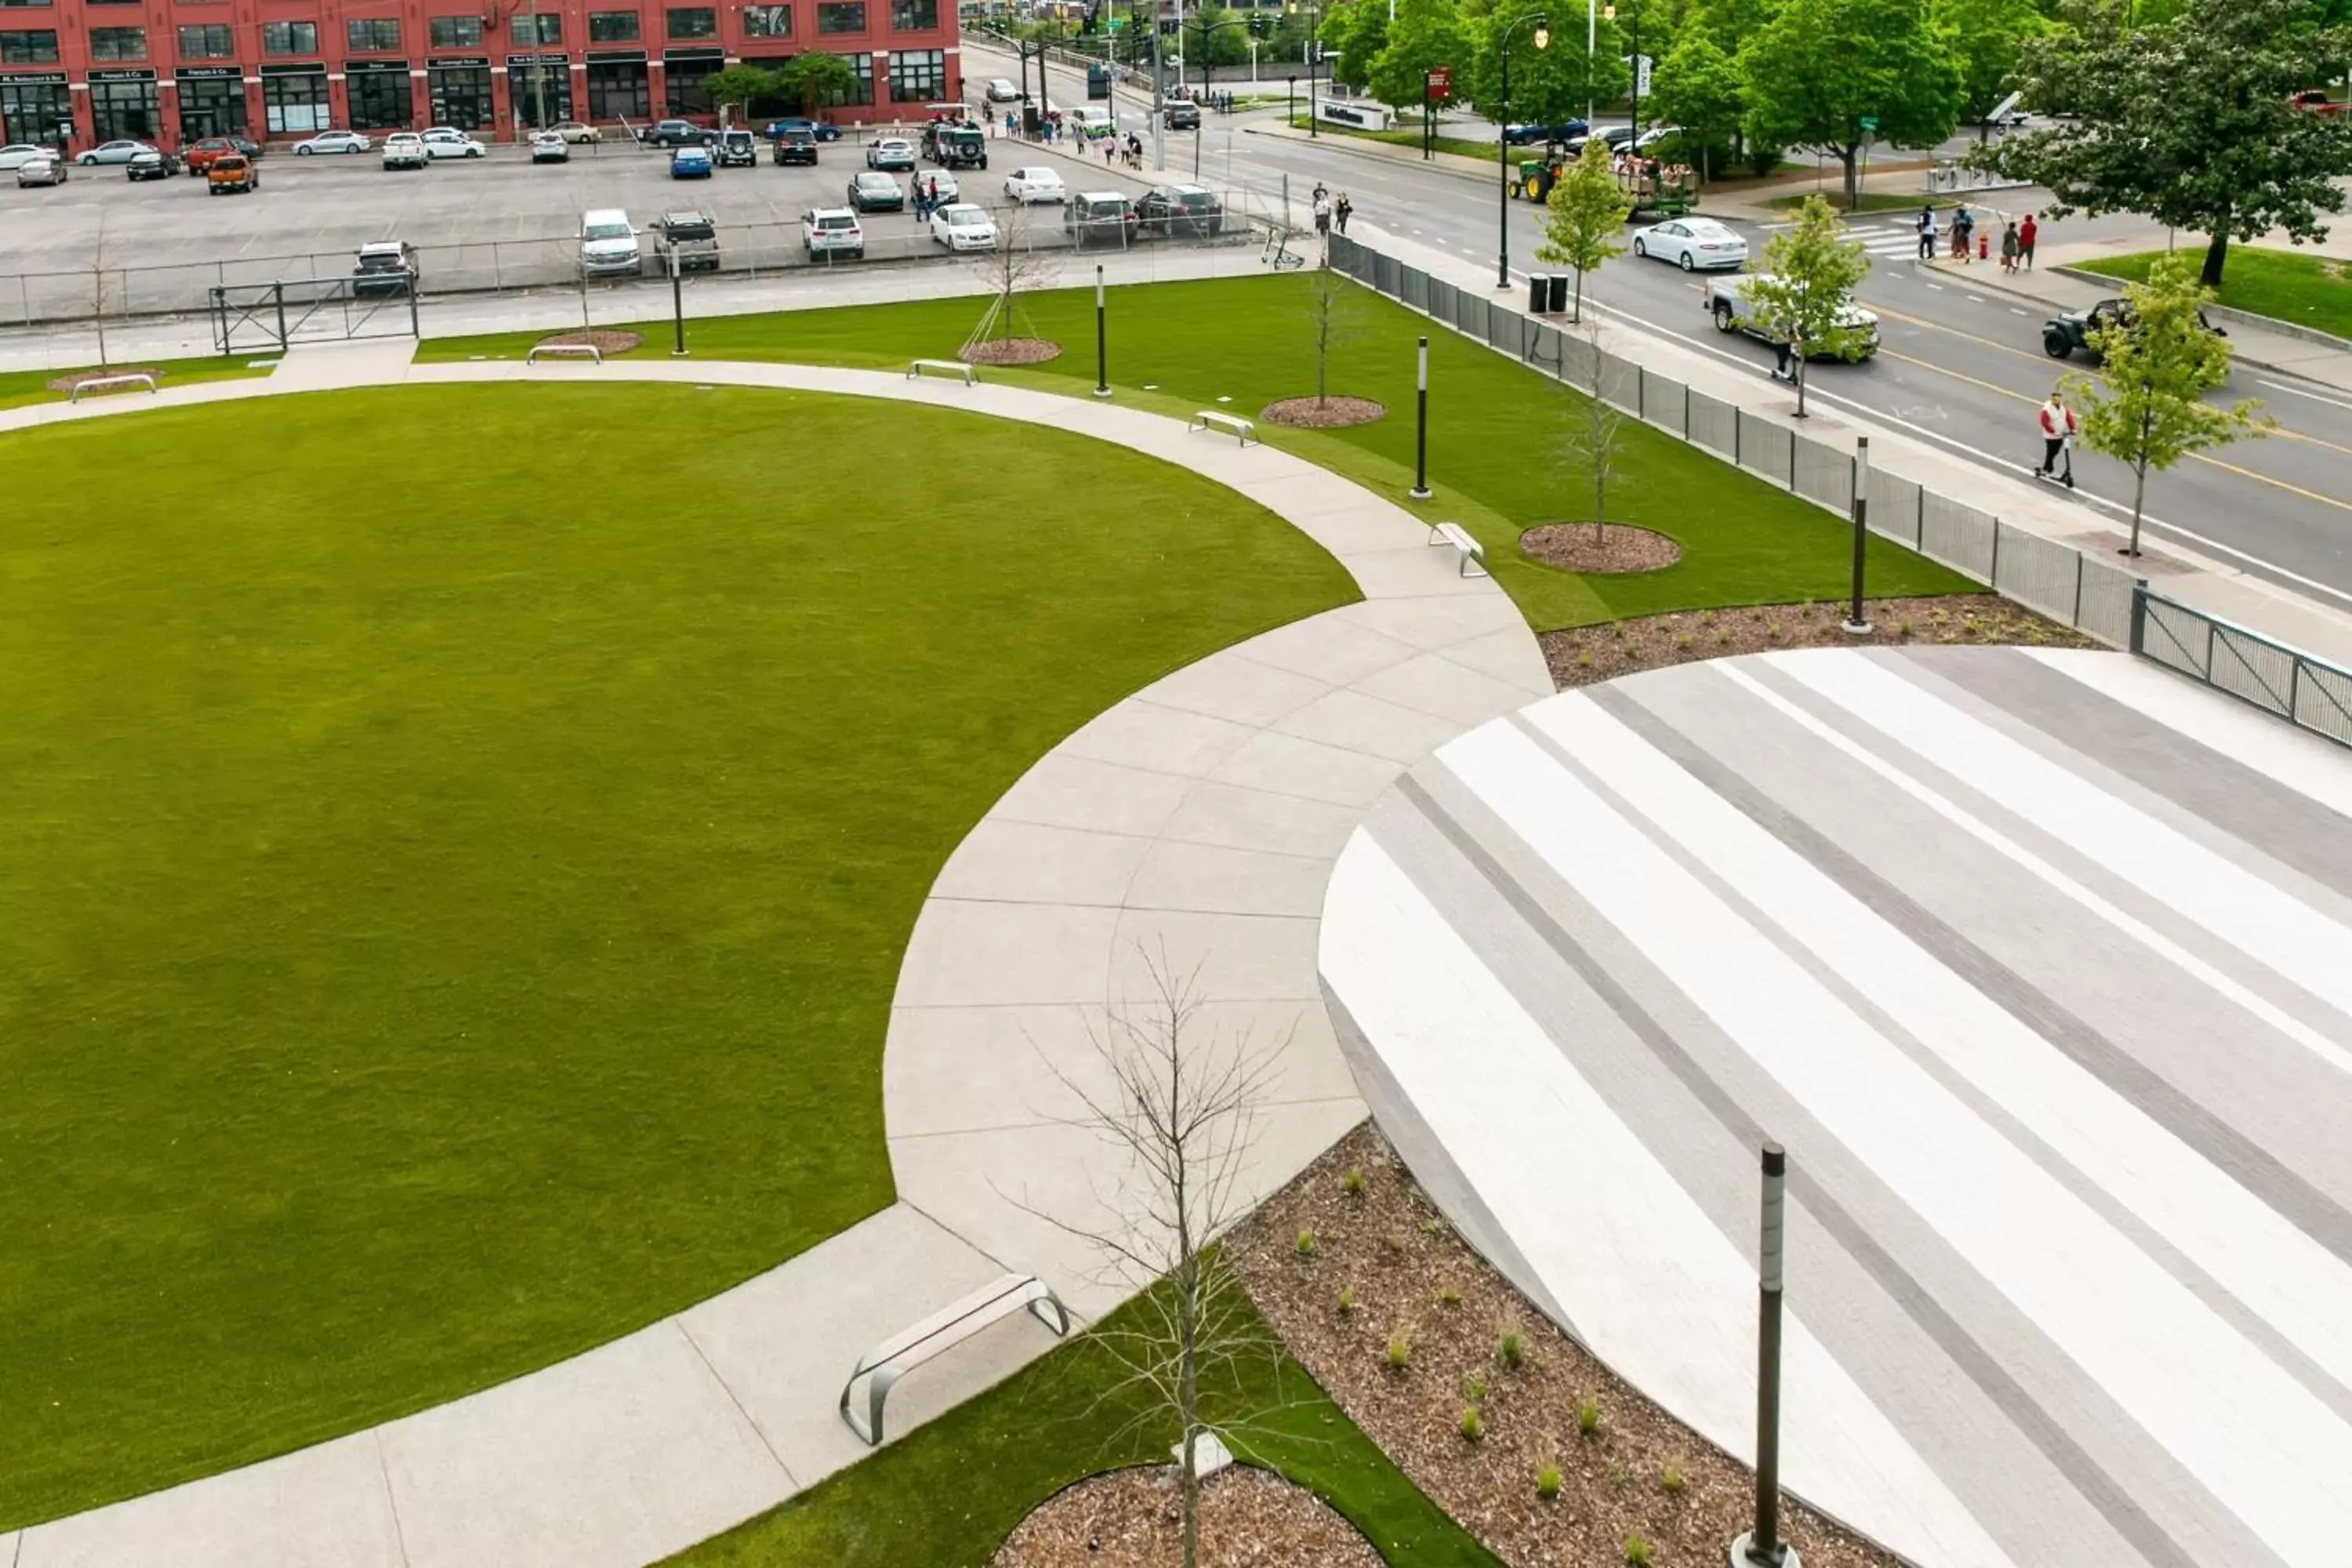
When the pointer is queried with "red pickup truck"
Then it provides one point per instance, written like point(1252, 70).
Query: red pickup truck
point(2318, 102)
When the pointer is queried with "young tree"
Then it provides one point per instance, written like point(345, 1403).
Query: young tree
point(1821, 67)
point(2147, 408)
point(735, 88)
point(1330, 322)
point(1585, 220)
point(1014, 270)
point(814, 79)
point(1988, 38)
point(2186, 121)
point(1593, 433)
point(1184, 1109)
point(1700, 89)
point(1426, 33)
point(1811, 271)
point(1550, 84)
point(98, 287)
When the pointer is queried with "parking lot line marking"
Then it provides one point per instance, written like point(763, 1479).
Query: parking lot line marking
point(1975, 299)
point(2015, 311)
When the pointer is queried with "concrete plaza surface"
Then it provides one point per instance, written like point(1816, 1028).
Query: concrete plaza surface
point(1195, 821)
point(2040, 966)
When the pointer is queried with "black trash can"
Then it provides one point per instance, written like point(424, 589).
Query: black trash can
point(1536, 292)
point(1558, 292)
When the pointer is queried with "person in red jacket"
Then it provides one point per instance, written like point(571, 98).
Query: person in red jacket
point(2058, 428)
point(2027, 232)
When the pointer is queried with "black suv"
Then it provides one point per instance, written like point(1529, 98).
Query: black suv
point(2061, 335)
point(1171, 211)
point(1182, 116)
point(796, 147)
point(677, 133)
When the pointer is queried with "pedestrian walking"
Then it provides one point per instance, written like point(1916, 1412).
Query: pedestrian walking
point(1964, 227)
point(2009, 247)
point(1927, 232)
point(1322, 212)
point(1340, 209)
point(2058, 428)
point(2025, 234)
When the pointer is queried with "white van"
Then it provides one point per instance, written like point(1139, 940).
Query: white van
point(608, 244)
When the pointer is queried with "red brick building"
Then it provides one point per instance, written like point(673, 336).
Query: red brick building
point(170, 72)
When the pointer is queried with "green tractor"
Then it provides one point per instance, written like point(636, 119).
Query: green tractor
point(1537, 176)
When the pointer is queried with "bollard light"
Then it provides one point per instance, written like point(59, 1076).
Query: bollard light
point(1419, 491)
point(1102, 355)
point(1855, 625)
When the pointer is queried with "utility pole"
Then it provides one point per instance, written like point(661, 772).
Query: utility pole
point(1159, 103)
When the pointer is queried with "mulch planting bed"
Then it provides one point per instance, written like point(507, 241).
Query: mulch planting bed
point(1135, 1519)
point(1582, 655)
point(1010, 350)
point(1412, 1282)
point(603, 340)
point(1329, 414)
point(68, 383)
point(1613, 548)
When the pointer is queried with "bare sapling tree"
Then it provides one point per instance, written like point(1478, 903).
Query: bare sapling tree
point(1329, 321)
point(1181, 1104)
point(98, 288)
point(1015, 268)
point(1592, 430)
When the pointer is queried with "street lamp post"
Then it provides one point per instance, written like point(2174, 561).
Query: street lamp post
point(1762, 1547)
point(1207, 26)
point(1503, 149)
point(1419, 491)
point(1102, 352)
point(1314, 52)
point(677, 306)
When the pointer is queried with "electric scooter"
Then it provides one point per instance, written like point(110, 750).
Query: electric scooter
point(2060, 477)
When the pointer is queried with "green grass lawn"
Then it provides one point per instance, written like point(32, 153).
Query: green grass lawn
point(1409, 135)
point(19, 387)
point(458, 862)
point(1500, 435)
point(2313, 291)
point(948, 1494)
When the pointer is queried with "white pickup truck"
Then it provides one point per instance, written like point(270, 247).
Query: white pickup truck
point(1728, 301)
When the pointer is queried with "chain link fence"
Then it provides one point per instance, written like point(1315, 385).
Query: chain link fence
point(2055, 579)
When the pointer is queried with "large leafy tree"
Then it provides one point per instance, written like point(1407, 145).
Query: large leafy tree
point(1552, 83)
point(1820, 67)
point(1803, 294)
point(2147, 407)
point(1700, 89)
point(2187, 122)
point(1426, 33)
point(1584, 223)
point(1731, 23)
point(1989, 40)
point(1355, 33)
point(816, 79)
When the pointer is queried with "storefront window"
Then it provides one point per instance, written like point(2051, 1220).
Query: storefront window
point(294, 103)
point(121, 109)
point(541, 94)
point(456, 32)
point(211, 105)
point(379, 99)
point(687, 93)
point(32, 112)
point(919, 76)
point(862, 67)
point(617, 90)
point(460, 96)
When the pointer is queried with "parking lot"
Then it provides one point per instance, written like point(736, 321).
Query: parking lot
point(495, 222)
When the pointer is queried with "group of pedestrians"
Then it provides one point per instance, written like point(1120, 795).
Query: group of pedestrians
point(1331, 211)
point(2017, 237)
point(927, 197)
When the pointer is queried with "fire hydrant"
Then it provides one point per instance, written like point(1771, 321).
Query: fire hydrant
point(1984, 247)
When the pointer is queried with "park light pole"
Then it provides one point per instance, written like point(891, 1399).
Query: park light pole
point(1419, 491)
point(1102, 352)
point(1633, 89)
point(1855, 625)
point(1762, 1547)
point(1503, 149)
point(677, 305)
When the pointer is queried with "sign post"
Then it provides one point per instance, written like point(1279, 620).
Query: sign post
point(1436, 88)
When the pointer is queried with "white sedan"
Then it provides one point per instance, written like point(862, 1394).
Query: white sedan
point(577, 132)
point(959, 226)
point(1037, 185)
point(18, 153)
point(1693, 243)
point(444, 143)
point(334, 142)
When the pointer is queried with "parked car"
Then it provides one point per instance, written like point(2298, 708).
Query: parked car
point(1092, 121)
point(442, 142)
point(1693, 243)
point(1537, 133)
point(959, 226)
point(691, 237)
point(17, 155)
point(1039, 184)
point(575, 133)
point(44, 170)
point(955, 145)
point(386, 266)
point(872, 191)
point(737, 150)
point(2063, 334)
point(832, 231)
point(690, 162)
point(1182, 116)
point(198, 155)
point(890, 152)
point(608, 244)
point(113, 153)
point(1168, 211)
point(1728, 301)
point(939, 184)
point(790, 123)
point(676, 134)
point(233, 173)
point(1001, 91)
point(1101, 217)
point(405, 150)
point(550, 147)
point(333, 142)
point(152, 165)
point(794, 147)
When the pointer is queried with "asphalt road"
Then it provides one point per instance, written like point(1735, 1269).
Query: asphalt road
point(1961, 367)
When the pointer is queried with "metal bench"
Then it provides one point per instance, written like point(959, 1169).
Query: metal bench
point(1468, 548)
point(916, 369)
point(1213, 419)
point(110, 383)
point(568, 351)
point(886, 1362)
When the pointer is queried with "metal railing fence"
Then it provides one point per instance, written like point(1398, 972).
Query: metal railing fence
point(2308, 693)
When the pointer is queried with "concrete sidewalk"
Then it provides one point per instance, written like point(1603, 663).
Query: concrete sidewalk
point(1197, 819)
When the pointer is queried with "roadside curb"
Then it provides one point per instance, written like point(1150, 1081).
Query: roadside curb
point(1448, 164)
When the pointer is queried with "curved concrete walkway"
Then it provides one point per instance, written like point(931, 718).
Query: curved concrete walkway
point(1200, 816)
